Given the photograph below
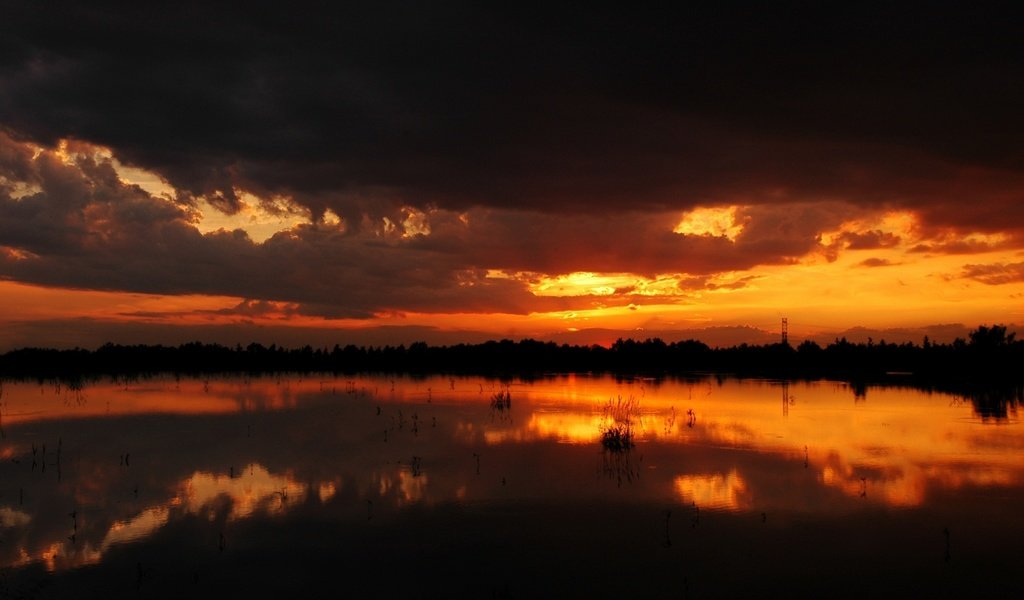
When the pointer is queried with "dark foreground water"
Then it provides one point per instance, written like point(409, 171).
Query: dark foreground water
point(434, 488)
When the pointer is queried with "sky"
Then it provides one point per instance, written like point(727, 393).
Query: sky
point(388, 172)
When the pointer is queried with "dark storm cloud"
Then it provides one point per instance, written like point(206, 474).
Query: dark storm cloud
point(705, 283)
point(869, 240)
point(79, 226)
point(996, 273)
point(351, 105)
point(535, 143)
point(876, 262)
point(93, 333)
point(76, 224)
point(962, 246)
point(944, 333)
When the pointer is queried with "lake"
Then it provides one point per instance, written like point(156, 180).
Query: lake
point(440, 487)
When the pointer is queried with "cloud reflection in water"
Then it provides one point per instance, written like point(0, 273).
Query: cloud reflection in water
point(369, 448)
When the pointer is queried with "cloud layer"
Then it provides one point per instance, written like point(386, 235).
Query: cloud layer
point(451, 157)
point(67, 219)
point(568, 111)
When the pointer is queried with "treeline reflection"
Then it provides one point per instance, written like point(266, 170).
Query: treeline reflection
point(983, 369)
point(992, 402)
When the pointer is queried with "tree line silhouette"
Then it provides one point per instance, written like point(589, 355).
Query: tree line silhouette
point(984, 369)
point(989, 353)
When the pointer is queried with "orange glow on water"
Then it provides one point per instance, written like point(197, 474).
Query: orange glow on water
point(574, 428)
point(883, 450)
point(253, 489)
point(721, 491)
point(31, 402)
point(401, 441)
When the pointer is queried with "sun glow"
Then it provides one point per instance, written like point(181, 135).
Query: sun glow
point(603, 284)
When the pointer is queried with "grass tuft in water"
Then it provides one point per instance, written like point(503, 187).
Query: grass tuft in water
point(502, 400)
point(617, 424)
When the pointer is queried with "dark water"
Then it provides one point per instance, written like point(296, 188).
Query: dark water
point(433, 488)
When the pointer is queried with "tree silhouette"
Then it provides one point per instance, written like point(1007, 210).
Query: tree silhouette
point(987, 338)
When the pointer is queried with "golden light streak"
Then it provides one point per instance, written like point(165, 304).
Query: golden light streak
point(565, 427)
point(15, 254)
point(579, 284)
point(599, 284)
point(31, 302)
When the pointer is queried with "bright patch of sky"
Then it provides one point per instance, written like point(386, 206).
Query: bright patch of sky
point(261, 219)
point(715, 222)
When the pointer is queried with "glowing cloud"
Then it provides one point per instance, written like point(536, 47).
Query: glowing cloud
point(713, 222)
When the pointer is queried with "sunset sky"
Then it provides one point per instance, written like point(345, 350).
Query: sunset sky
point(387, 172)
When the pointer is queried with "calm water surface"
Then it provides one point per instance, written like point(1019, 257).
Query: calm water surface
point(399, 487)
